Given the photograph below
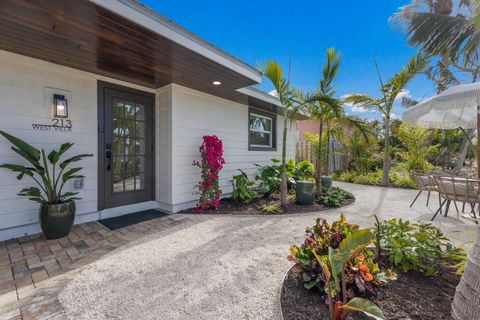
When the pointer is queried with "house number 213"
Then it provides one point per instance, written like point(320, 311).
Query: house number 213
point(62, 123)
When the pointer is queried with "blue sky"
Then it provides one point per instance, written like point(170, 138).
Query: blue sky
point(301, 31)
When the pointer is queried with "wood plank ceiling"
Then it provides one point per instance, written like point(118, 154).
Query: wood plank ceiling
point(85, 36)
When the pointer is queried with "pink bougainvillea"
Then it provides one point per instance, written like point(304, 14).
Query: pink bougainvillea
point(211, 152)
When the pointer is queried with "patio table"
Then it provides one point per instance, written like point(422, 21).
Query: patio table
point(457, 189)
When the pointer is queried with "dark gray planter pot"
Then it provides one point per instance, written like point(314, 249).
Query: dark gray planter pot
point(326, 182)
point(305, 192)
point(56, 220)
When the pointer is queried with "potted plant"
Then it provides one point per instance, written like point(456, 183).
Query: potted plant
point(304, 174)
point(57, 208)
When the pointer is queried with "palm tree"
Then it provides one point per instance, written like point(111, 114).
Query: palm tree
point(322, 105)
point(273, 72)
point(384, 104)
point(460, 37)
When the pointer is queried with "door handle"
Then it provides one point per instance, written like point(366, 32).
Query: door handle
point(108, 155)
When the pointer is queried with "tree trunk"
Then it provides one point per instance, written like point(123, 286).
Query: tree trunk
point(283, 175)
point(466, 302)
point(386, 155)
point(318, 193)
point(462, 154)
point(326, 170)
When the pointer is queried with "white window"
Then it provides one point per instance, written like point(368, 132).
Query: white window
point(261, 131)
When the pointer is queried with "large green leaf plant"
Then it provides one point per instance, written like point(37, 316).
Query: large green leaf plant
point(334, 266)
point(48, 171)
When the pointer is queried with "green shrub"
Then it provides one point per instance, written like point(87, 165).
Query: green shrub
point(417, 149)
point(402, 181)
point(242, 188)
point(334, 197)
point(304, 171)
point(269, 177)
point(271, 208)
point(372, 178)
point(418, 247)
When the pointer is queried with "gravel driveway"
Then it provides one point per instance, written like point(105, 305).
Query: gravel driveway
point(222, 267)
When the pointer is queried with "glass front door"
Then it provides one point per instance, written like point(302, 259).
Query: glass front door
point(128, 147)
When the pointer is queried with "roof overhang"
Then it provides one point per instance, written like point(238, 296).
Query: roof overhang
point(120, 39)
point(138, 13)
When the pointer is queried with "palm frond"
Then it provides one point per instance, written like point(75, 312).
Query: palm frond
point(440, 34)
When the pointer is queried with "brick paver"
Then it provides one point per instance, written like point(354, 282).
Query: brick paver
point(34, 270)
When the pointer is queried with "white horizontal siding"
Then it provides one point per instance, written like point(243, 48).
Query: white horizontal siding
point(22, 102)
point(197, 114)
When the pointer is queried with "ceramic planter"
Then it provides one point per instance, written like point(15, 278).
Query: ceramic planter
point(326, 182)
point(56, 220)
point(305, 192)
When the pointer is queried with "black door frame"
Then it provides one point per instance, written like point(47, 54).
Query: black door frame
point(101, 86)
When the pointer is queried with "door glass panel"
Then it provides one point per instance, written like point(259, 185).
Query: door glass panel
point(118, 147)
point(128, 146)
point(140, 112)
point(117, 178)
point(118, 109)
point(140, 181)
point(140, 129)
point(130, 173)
point(140, 147)
point(129, 111)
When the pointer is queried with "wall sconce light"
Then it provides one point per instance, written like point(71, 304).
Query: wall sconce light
point(60, 106)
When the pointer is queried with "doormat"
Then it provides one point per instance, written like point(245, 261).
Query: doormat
point(131, 219)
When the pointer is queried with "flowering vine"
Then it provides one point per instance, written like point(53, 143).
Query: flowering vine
point(211, 152)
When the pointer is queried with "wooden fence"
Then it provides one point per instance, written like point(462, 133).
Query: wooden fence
point(335, 161)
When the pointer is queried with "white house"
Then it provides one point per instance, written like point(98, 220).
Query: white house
point(120, 66)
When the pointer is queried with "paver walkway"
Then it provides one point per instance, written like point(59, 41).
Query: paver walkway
point(207, 267)
point(34, 270)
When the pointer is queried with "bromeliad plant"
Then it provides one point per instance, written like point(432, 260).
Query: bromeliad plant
point(211, 163)
point(47, 171)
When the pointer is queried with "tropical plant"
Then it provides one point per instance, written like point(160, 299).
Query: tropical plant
point(335, 197)
point(361, 151)
point(334, 267)
point(390, 91)
point(48, 171)
point(270, 208)
point(419, 247)
point(303, 171)
point(414, 140)
point(322, 104)
point(211, 153)
point(441, 33)
point(269, 177)
point(273, 72)
point(320, 238)
point(242, 188)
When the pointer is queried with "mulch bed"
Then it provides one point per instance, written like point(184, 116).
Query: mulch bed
point(412, 296)
point(254, 207)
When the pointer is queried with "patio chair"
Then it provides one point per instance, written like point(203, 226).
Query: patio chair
point(452, 188)
point(423, 183)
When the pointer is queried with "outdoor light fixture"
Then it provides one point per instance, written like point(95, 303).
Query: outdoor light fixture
point(60, 106)
point(217, 83)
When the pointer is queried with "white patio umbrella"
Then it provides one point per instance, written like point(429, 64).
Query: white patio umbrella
point(456, 107)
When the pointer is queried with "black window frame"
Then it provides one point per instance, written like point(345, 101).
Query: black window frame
point(267, 114)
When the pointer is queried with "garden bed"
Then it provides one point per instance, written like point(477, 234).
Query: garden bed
point(412, 296)
point(255, 207)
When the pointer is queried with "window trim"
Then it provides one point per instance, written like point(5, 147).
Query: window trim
point(273, 134)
